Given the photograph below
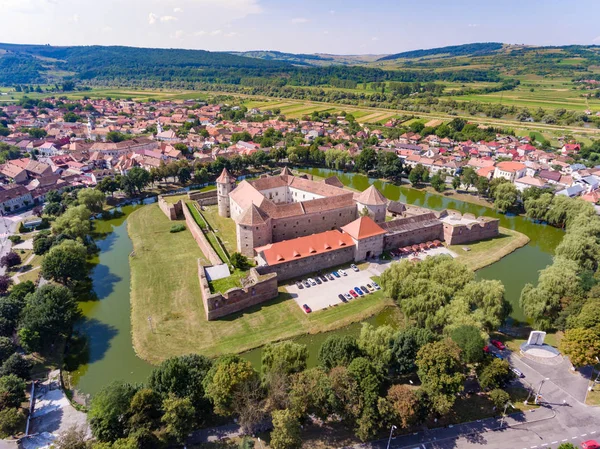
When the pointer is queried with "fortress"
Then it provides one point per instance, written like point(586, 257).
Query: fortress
point(293, 225)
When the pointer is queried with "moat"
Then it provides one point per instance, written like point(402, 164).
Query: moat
point(107, 321)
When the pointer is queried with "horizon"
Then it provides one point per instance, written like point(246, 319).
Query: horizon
point(332, 27)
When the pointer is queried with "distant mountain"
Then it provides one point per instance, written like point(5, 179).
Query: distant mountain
point(269, 55)
point(477, 49)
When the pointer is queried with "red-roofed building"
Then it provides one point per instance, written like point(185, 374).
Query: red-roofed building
point(367, 236)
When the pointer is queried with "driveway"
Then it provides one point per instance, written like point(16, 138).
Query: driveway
point(322, 296)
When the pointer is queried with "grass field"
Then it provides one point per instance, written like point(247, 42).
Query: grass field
point(224, 228)
point(486, 252)
point(164, 285)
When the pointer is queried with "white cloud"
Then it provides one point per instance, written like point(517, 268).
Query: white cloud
point(215, 32)
point(74, 18)
point(199, 33)
point(178, 34)
point(106, 29)
point(231, 34)
point(152, 18)
point(596, 39)
point(168, 19)
point(473, 25)
point(374, 38)
point(299, 20)
point(332, 11)
point(178, 9)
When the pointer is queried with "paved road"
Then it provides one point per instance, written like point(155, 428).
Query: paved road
point(563, 418)
point(8, 226)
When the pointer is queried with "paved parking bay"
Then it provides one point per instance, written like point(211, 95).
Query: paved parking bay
point(326, 295)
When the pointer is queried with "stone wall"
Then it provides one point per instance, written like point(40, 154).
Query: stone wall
point(173, 211)
point(369, 247)
point(311, 264)
point(412, 230)
point(204, 198)
point(200, 238)
point(299, 226)
point(459, 234)
point(258, 289)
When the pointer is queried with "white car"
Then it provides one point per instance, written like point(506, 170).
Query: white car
point(342, 272)
point(354, 267)
point(312, 281)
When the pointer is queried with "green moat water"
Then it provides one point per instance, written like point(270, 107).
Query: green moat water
point(107, 323)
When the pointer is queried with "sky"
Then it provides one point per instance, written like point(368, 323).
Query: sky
point(301, 26)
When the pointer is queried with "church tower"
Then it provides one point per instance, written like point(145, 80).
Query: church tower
point(225, 184)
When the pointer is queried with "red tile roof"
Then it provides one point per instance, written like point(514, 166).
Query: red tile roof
point(363, 228)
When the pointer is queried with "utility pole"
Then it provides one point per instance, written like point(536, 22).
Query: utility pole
point(540, 390)
point(504, 413)
point(390, 438)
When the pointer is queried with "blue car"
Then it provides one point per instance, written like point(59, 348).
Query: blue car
point(359, 291)
point(498, 356)
point(336, 274)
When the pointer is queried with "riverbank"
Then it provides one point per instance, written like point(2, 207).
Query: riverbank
point(167, 313)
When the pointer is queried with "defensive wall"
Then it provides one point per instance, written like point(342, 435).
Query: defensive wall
point(465, 228)
point(411, 230)
point(256, 289)
point(200, 238)
point(173, 211)
point(204, 198)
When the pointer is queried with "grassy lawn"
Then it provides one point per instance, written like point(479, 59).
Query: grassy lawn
point(233, 281)
point(209, 235)
point(164, 285)
point(224, 227)
point(486, 252)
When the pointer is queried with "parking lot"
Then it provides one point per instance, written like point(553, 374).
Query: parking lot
point(319, 297)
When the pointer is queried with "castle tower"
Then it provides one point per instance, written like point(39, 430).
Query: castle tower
point(373, 203)
point(225, 184)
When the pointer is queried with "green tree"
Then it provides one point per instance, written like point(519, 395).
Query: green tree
point(201, 175)
point(482, 185)
point(499, 398)
point(441, 373)
point(92, 199)
point(401, 404)
point(470, 342)
point(145, 409)
point(184, 175)
point(337, 350)
point(505, 196)
point(12, 391)
point(366, 160)
point(438, 183)
point(286, 357)
point(376, 343)
point(11, 422)
point(7, 348)
point(16, 364)
point(73, 438)
point(418, 175)
point(495, 374)
point(66, 263)
point(108, 185)
point(108, 411)
point(456, 183)
point(49, 314)
point(581, 345)
point(239, 261)
point(405, 347)
point(75, 222)
point(178, 417)
point(286, 431)
point(469, 177)
point(311, 393)
point(368, 380)
point(225, 379)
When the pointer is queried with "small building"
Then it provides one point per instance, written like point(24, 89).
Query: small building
point(367, 236)
point(510, 170)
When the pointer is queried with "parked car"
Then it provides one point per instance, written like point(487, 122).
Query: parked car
point(353, 294)
point(306, 284)
point(342, 272)
point(590, 444)
point(306, 308)
point(498, 356)
point(318, 280)
point(336, 274)
point(376, 285)
point(498, 344)
point(312, 281)
point(364, 289)
point(359, 291)
point(354, 267)
point(370, 287)
point(486, 349)
point(348, 296)
point(342, 297)
point(517, 372)
point(299, 285)
point(329, 276)
point(323, 278)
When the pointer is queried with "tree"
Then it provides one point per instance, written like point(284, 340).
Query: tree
point(337, 350)
point(135, 181)
point(16, 364)
point(12, 391)
point(7, 347)
point(405, 347)
point(11, 422)
point(225, 379)
point(418, 175)
point(10, 260)
point(5, 283)
point(495, 374)
point(108, 185)
point(402, 404)
point(201, 175)
point(93, 199)
point(505, 196)
point(366, 160)
point(73, 438)
point(469, 177)
point(311, 393)
point(49, 313)
point(286, 431)
point(456, 183)
point(566, 446)
point(184, 175)
point(441, 373)
point(239, 261)
point(499, 398)
point(470, 342)
point(376, 343)
point(482, 185)
point(438, 183)
point(42, 243)
point(108, 411)
point(178, 417)
point(286, 357)
point(581, 345)
point(363, 400)
point(145, 409)
point(66, 263)
point(74, 223)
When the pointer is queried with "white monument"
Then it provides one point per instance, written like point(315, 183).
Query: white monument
point(536, 338)
point(536, 350)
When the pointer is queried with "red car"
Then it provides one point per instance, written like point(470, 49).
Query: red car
point(353, 293)
point(306, 308)
point(590, 444)
point(486, 349)
point(498, 344)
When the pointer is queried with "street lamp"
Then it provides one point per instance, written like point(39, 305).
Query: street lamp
point(540, 390)
point(504, 413)
point(390, 438)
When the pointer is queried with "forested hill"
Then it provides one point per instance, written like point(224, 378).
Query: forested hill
point(476, 49)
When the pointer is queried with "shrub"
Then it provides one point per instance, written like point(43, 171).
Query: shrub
point(177, 228)
point(10, 260)
point(239, 261)
point(15, 239)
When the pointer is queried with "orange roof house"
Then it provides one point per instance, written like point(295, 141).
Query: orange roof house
point(363, 228)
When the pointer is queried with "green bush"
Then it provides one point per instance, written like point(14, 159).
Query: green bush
point(177, 228)
point(15, 239)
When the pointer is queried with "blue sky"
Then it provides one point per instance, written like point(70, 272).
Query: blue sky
point(305, 26)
